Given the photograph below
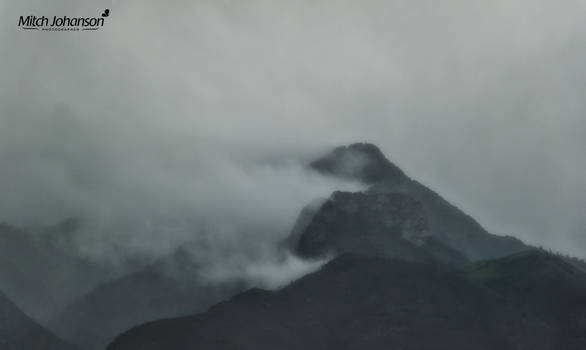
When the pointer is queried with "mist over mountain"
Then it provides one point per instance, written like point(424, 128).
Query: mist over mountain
point(482, 102)
point(391, 219)
point(43, 271)
point(419, 257)
point(155, 169)
point(157, 291)
point(394, 201)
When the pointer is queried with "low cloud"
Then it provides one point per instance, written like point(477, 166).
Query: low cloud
point(270, 271)
point(187, 119)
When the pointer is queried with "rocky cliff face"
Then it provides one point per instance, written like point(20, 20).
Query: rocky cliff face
point(378, 224)
point(446, 223)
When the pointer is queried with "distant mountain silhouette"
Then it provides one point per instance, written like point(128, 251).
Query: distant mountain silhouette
point(42, 271)
point(166, 288)
point(19, 332)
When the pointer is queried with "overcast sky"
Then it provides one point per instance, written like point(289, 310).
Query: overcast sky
point(206, 109)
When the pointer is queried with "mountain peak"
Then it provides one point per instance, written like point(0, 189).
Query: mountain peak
point(359, 161)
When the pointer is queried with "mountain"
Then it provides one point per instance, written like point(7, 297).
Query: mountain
point(18, 331)
point(446, 224)
point(42, 270)
point(360, 161)
point(167, 288)
point(541, 284)
point(86, 303)
point(409, 271)
point(358, 302)
point(376, 223)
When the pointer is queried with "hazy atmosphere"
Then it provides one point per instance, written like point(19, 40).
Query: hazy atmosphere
point(199, 116)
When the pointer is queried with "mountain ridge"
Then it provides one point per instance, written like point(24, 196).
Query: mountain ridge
point(450, 225)
point(357, 302)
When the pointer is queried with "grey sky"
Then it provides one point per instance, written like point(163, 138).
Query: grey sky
point(182, 109)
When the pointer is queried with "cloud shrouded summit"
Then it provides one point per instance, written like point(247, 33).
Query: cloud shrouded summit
point(173, 110)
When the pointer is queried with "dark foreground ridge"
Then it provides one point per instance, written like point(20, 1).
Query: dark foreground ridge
point(358, 302)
